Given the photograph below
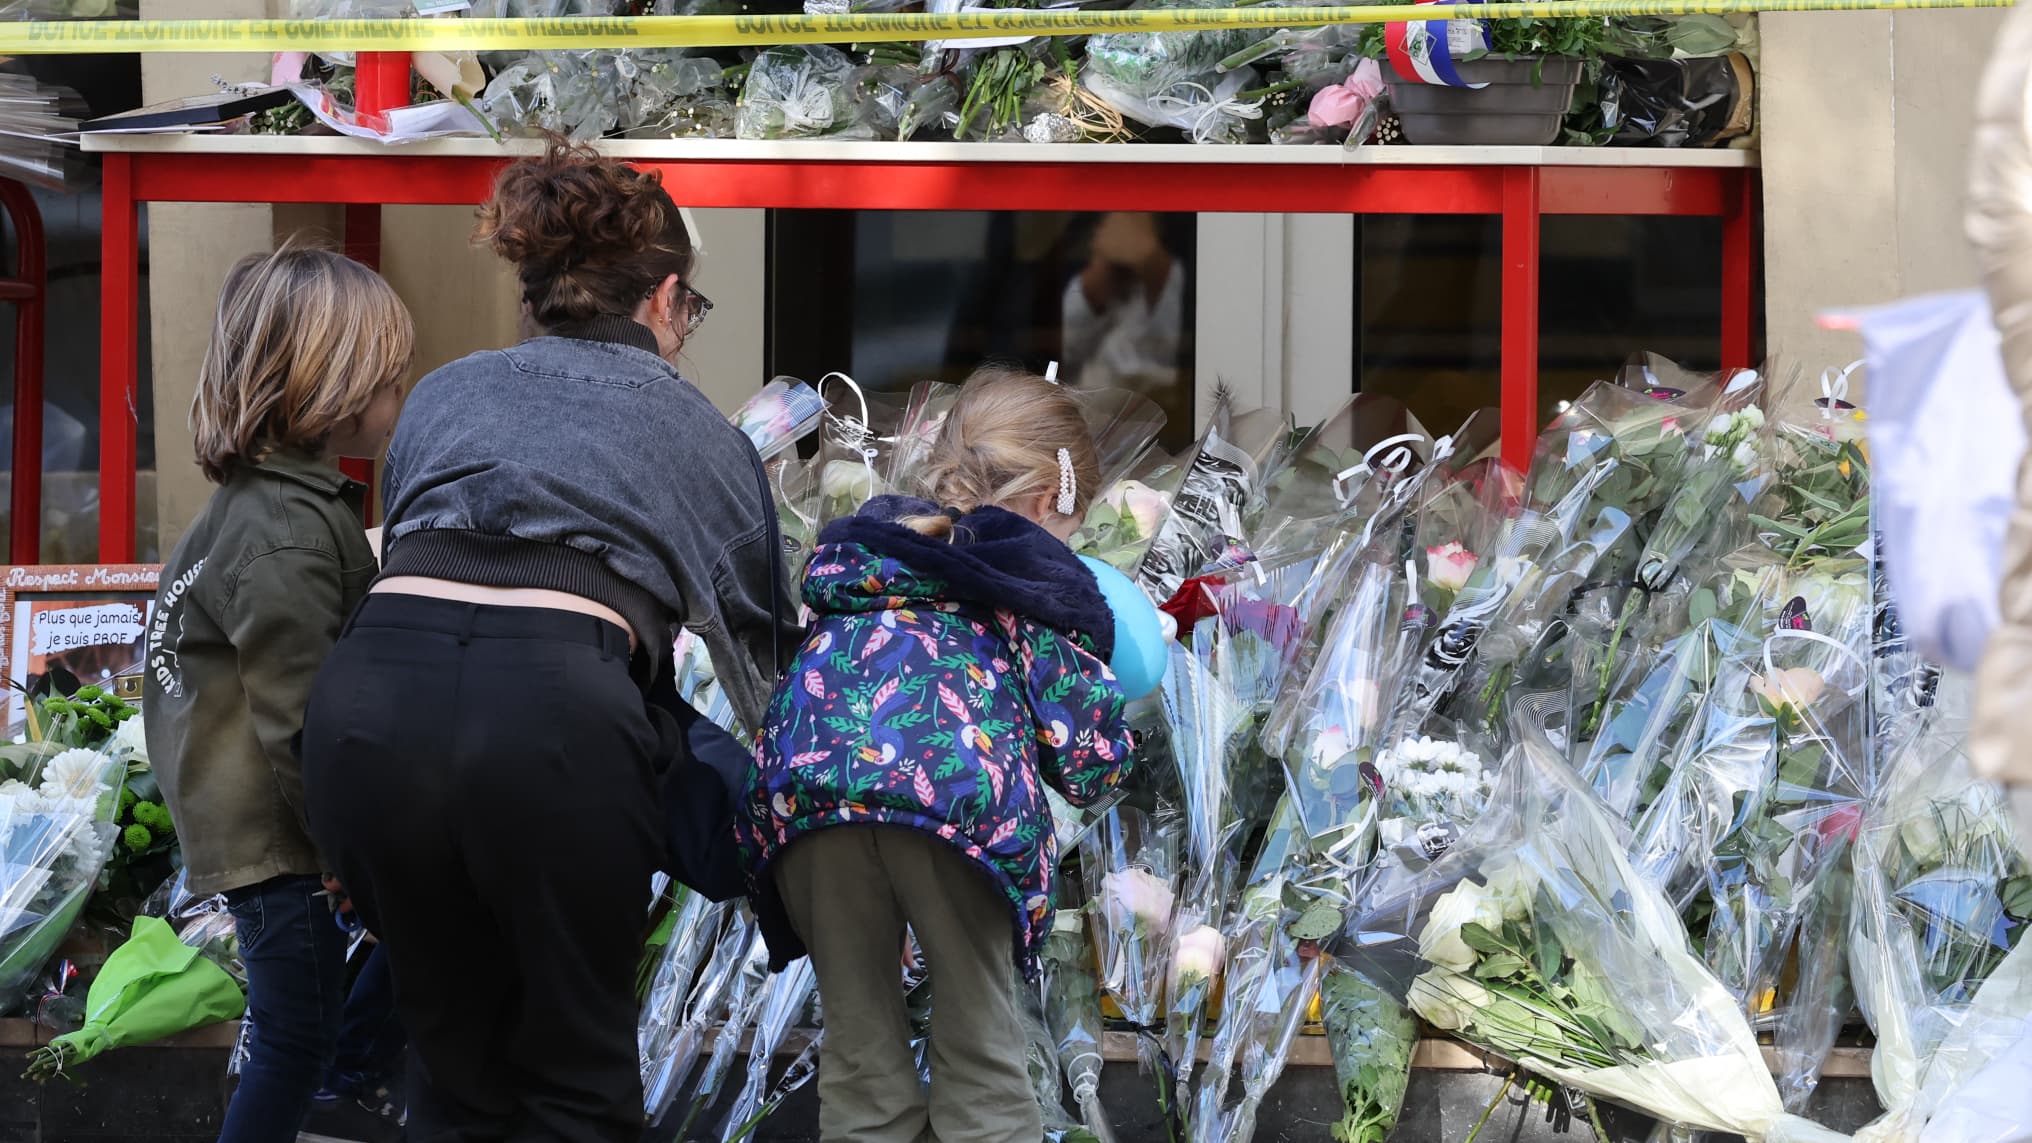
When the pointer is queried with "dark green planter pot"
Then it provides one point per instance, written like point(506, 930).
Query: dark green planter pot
point(1522, 106)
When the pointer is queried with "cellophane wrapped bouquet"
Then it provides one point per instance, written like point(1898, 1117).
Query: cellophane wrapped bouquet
point(1535, 939)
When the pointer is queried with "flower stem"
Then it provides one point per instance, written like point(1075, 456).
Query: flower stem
point(1490, 1110)
point(1594, 1116)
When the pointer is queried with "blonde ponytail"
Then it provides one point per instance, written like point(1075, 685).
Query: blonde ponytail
point(1000, 446)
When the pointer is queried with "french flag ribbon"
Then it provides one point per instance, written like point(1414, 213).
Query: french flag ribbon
point(1423, 51)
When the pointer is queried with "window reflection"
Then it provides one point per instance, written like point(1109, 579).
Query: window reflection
point(897, 297)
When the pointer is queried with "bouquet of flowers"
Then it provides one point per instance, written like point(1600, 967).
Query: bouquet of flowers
point(1205, 530)
point(1205, 718)
point(1568, 518)
point(1125, 520)
point(1535, 939)
point(1339, 475)
point(1132, 875)
point(923, 417)
point(1072, 1008)
point(1372, 1036)
point(857, 436)
point(1943, 898)
point(57, 830)
point(806, 91)
point(1329, 732)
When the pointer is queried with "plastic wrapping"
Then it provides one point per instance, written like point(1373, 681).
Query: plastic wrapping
point(1132, 875)
point(1072, 1010)
point(1338, 475)
point(1125, 425)
point(917, 432)
point(779, 415)
point(1206, 720)
point(1372, 1036)
point(666, 1041)
point(1205, 529)
point(809, 91)
point(1329, 730)
point(204, 923)
point(1678, 102)
point(1610, 457)
point(783, 998)
point(1125, 520)
point(856, 439)
point(1535, 939)
point(56, 831)
point(1943, 897)
point(709, 1001)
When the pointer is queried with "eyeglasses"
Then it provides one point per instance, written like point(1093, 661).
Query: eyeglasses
point(696, 307)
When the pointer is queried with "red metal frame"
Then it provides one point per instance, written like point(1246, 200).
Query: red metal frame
point(28, 292)
point(1521, 195)
point(363, 244)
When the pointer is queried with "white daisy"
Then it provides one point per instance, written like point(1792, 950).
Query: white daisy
point(77, 773)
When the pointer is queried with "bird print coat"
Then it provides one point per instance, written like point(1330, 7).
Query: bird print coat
point(940, 685)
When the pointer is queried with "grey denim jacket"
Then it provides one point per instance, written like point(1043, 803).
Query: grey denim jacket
point(601, 447)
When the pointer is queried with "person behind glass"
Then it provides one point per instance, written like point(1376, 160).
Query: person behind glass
point(957, 661)
point(482, 751)
point(1124, 312)
point(305, 365)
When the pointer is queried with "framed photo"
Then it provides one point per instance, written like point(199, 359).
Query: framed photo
point(88, 619)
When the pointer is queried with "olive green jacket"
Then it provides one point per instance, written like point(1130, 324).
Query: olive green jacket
point(250, 604)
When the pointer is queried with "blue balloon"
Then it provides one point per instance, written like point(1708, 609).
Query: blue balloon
point(1142, 652)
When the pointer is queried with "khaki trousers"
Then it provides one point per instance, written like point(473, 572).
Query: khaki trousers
point(850, 890)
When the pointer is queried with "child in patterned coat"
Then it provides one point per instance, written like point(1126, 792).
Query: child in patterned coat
point(956, 663)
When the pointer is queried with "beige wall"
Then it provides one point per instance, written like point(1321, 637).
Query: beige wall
point(1865, 122)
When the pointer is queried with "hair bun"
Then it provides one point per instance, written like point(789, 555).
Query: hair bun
point(588, 234)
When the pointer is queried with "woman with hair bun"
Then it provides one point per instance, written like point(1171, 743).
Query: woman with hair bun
point(483, 748)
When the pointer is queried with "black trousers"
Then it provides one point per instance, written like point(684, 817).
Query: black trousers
point(482, 779)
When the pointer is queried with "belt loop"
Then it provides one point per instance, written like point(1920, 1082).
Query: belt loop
point(466, 627)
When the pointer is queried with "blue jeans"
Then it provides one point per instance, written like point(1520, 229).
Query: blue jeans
point(370, 1046)
point(296, 976)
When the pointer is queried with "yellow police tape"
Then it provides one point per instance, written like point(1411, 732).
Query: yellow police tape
point(453, 35)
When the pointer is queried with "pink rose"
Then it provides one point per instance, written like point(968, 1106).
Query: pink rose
point(1449, 565)
point(1343, 104)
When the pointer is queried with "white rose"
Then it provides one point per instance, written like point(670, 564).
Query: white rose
point(1512, 889)
point(1139, 895)
point(1447, 1000)
point(1440, 941)
point(1794, 688)
point(1719, 427)
point(131, 738)
point(1745, 455)
point(1197, 957)
point(1752, 416)
point(847, 480)
point(1137, 501)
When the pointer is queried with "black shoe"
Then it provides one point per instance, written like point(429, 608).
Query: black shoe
point(370, 1117)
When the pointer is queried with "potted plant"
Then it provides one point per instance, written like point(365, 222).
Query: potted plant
point(1525, 81)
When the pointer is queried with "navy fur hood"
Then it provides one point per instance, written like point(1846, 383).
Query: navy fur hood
point(995, 560)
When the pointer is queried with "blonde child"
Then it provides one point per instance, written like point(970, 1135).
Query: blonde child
point(955, 664)
point(305, 365)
